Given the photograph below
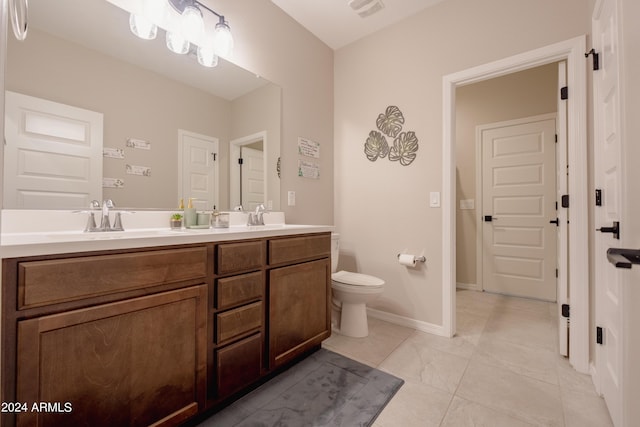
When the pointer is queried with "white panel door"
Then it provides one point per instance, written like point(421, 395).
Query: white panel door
point(608, 179)
point(519, 193)
point(198, 171)
point(52, 156)
point(252, 178)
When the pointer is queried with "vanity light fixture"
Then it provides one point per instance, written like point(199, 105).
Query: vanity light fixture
point(142, 27)
point(223, 38)
point(192, 22)
point(177, 43)
point(190, 30)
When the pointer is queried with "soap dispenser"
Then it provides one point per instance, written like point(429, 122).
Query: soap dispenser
point(190, 215)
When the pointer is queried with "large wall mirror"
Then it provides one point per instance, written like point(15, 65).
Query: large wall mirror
point(167, 125)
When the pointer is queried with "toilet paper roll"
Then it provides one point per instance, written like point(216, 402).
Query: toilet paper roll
point(407, 259)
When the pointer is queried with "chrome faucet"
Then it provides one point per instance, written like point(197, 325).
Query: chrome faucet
point(257, 217)
point(105, 223)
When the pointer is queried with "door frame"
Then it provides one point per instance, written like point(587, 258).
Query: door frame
point(572, 51)
point(479, 186)
point(234, 169)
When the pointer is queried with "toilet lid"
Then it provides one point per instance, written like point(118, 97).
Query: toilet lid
point(356, 279)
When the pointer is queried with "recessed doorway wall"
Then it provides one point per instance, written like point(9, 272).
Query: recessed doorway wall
point(526, 93)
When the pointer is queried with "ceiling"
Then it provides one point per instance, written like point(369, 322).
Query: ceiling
point(337, 23)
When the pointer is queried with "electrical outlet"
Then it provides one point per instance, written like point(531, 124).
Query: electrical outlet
point(291, 198)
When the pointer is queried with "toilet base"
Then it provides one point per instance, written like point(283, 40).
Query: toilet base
point(353, 320)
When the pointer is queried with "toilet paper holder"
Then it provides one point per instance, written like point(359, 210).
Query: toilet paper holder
point(416, 258)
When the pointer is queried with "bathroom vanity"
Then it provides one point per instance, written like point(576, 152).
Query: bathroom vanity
point(158, 328)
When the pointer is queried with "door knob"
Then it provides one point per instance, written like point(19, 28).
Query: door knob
point(615, 230)
point(555, 221)
point(489, 218)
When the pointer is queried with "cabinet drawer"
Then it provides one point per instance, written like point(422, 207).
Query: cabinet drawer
point(238, 364)
point(238, 321)
point(235, 290)
point(235, 257)
point(68, 279)
point(299, 248)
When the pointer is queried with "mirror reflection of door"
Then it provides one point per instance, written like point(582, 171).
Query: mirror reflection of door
point(52, 154)
point(247, 183)
point(252, 176)
point(198, 171)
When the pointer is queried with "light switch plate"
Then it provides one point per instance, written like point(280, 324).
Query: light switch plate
point(434, 199)
point(291, 198)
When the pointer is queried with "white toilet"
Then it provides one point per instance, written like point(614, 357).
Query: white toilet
point(351, 292)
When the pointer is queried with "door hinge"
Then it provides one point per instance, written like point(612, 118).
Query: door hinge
point(598, 197)
point(599, 335)
point(556, 273)
point(565, 310)
point(564, 93)
point(565, 201)
point(596, 59)
point(215, 156)
point(240, 161)
point(556, 138)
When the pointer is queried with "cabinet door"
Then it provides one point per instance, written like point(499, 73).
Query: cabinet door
point(130, 363)
point(299, 312)
point(238, 365)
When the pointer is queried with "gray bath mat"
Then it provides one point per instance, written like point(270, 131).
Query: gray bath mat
point(325, 389)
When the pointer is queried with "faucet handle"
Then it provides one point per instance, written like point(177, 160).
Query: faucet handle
point(94, 204)
point(117, 223)
point(91, 220)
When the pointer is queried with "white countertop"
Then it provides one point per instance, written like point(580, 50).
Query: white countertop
point(15, 241)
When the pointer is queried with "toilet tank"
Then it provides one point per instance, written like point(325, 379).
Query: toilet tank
point(335, 251)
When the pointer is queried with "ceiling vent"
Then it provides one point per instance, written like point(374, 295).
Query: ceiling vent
point(366, 8)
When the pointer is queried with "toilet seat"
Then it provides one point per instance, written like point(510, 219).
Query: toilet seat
point(356, 279)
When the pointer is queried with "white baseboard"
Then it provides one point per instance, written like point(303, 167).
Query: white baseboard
point(468, 286)
point(594, 377)
point(407, 322)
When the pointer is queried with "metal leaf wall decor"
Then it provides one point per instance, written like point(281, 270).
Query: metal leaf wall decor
point(405, 144)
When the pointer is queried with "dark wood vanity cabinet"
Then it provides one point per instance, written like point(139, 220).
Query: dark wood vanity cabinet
point(105, 339)
point(299, 295)
point(133, 362)
point(155, 336)
point(238, 317)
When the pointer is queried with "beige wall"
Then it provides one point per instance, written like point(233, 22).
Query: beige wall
point(382, 208)
point(271, 44)
point(630, 13)
point(518, 95)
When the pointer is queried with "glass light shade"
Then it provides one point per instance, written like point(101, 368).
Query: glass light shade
point(223, 39)
point(142, 27)
point(207, 56)
point(154, 10)
point(177, 43)
point(192, 23)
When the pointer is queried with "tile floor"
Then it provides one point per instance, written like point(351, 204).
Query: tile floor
point(501, 369)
